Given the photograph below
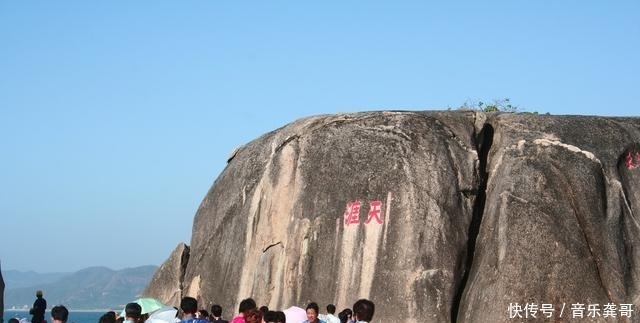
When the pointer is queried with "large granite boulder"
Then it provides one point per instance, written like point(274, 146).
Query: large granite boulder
point(435, 216)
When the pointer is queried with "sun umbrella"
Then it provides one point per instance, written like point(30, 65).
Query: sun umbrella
point(166, 314)
point(148, 305)
point(295, 314)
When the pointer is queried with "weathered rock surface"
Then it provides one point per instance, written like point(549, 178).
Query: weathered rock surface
point(166, 283)
point(560, 220)
point(435, 216)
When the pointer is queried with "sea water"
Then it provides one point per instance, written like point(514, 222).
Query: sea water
point(77, 316)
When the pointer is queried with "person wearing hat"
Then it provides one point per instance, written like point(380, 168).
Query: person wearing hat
point(39, 306)
point(132, 313)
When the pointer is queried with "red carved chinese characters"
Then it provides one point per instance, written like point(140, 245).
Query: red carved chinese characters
point(352, 213)
point(374, 212)
point(630, 161)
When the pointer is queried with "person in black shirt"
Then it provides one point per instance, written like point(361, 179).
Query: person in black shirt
point(39, 306)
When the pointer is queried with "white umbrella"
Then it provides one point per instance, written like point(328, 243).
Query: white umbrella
point(166, 314)
point(295, 314)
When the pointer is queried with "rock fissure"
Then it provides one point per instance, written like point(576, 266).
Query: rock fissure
point(182, 272)
point(483, 143)
point(271, 245)
point(285, 142)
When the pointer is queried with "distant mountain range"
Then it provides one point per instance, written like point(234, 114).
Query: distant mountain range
point(90, 288)
point(19, 279)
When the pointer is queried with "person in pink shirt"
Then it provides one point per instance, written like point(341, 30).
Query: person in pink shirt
point(246, 305)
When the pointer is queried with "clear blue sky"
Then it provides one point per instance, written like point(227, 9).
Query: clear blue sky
point(117, 116)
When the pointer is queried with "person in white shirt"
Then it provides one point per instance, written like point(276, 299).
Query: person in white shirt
point(331, 317)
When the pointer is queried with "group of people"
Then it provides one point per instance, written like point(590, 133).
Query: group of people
point(363, 311)
point(248, 312)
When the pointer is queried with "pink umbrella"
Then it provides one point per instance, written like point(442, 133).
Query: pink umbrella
point(295, 314)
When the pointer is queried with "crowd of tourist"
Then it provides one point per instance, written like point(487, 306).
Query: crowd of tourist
point(248, 312)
